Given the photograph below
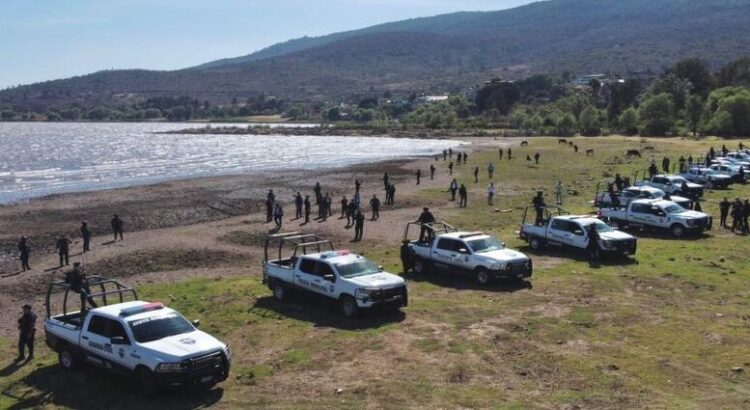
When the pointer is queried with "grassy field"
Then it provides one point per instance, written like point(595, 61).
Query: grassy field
point(667, 329)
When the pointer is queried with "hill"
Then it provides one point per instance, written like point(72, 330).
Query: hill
point(436, 54)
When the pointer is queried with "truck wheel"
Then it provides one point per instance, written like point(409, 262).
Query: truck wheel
point(66, 358)
point(146, 381)
point(677, 230)
point(279, 291)
point(483, 276)
point(419, 266)
point(349, 306)
point(536, 243)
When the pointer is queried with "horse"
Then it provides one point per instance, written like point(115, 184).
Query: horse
point(562, 141)
point(575, 148)
point(524, 143)
point(632, 153)
point(589, 152)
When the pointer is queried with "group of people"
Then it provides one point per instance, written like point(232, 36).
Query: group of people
point(62, 245)
point(739, 210)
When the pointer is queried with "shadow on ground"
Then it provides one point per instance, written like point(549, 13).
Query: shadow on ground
point(466, 282)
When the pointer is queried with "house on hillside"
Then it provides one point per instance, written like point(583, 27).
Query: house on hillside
point(585, 80)
point(427, 99)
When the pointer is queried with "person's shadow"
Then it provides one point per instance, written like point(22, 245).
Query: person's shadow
point(12, 368)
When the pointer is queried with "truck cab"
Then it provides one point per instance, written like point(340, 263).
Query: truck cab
point(658, 214)
point(730, 170)
point(707, 177)
point(673, 184)
point(603, 199)
point(476, 254)
point(314, 266)
point(148, 340)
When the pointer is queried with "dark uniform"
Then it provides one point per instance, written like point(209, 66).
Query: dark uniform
point(652, 170)
point(539, 205)
point(329, 205)
point(86, 234)
point(357, 185)
point(26, 331)
point(25, 250)
point(117, 224)
point(500, 151)
point(392, 193)
point(63, 250)
point(419, 175)
point(450, 168)
point(453, 188)
point(375, 205)
point(745, 217)
point(407, 257)
point(298, 201)
point(665, 164)
point(317, 191)
point(432, 171)
point(359, 225)
point(78, 283)
point(278, 215)
point(536, 158)
point(269, 210)
point(724, 212)
point(593, 246)
point(510, 154)
point(618, 182)
point(425, 217)
point(463, 196)
point(351, 212)
point(386, 180)
point(476, 174)
point(737, 215)
point(344, 205)
point(307, 208)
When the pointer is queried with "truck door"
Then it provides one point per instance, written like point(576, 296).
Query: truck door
point(640, 213)
point(560, 232)
point(579, 237)
point(319, 284)
point(445, 252)
point(305, 276)
point(95, 342)
point(122, 345)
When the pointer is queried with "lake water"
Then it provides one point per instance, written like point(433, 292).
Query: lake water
point(38, 159)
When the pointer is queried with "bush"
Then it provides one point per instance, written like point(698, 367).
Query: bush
point(656, 114)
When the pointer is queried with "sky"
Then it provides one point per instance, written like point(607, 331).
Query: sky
point(49, 39)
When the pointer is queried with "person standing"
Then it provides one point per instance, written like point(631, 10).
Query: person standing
point(490, 193)
point(117, 224)
point(432, 171)
point(63, 250)
point(559, 189)
point(344, 206)
point(406, 256)
point(393, 194)
point(510, 154)
point(665, 164)
point(359, 225)
point(351, 213)
point(500, 151)
point(357, 185)
point(318, 192)
point(419, 175)
point(77, 281)
point(86, 235)
point(736, 215)
point(298, 202)
point(724, 212)
point(386, 180)
point(26, 331)
point(278, 215)
point(453, 188)
point(466, 158)
point(375, 205)
point(307, 209)
point(536, 158)
point(425, 218)
point(476, 174)
point(329, 205)
point(450, 153)
point(450, 168)
point(445, 155)
point(539, 206)
point(25, 251)
point(593, 245)
point(491, 170)
point(269, 210)
point(745, 216)
point(462, 194)
point(741, 175)
point(652, 170)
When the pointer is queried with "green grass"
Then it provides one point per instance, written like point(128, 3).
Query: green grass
point(664, 330)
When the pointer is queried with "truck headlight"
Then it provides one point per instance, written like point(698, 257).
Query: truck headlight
point(496, 266)
point(690, 222)
point(170, 368)
point(364, 293)
point(228, 352)
point(606, 244)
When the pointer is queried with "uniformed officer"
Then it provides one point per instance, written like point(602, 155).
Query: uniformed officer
point(25, 251)
point(117, 225)
point(491, 170)
point(406, 257)
point(298, 202)
point(419, 175)
point(593, 245)
point(386, 180)
point(450, 168)
point(26, 331)
point(618, 182)
point(536, 158)
point(357, 185)
point(500, 151)
point(318, 192)
point(375, 205)
point(510, 154)
point(344, 206)
point(329, 204)
point(76, 280)
point(392, 191)
point(307, 208)
point(476, 174)
point(445, 154)
point(432, 171)
point(86, 234)
point(269, 210)
point(63, 250)
point(425, 217)
point(278, 215)
point(359, 225)
point(665, 164)
point(453, 188)
point(652, 170)
point(724, 212)
point(539, 206)
point(463, 196)
point(351, 212)
point(745, 216)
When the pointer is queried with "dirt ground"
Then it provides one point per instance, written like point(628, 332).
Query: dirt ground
point(188, 220)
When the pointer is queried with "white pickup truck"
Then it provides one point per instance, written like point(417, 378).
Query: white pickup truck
point(473, 253)
point(736, 172)
point(658, 214)
point(571, 231)
point(603, 199)
point(673, 184)
point(707, 177)
point(148, 340)
point(352, 280)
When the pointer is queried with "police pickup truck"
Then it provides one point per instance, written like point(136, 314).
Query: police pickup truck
point(658, 214)
point(352, 280)
point(482, 256)
point(707, 177)
point(572, 232)
point(673, 184)
point(148, 340)
point(604, 199)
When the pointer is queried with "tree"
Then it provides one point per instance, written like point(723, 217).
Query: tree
point(730, 111)
point(71, 114)
point(693, 112)
point(677, 87)
point(589, 122)
point(152, 113)
point(566, 125)
point(333, 114)
point(7, 115)
point(629, 121)
point(736, 73)
point(500, 95)
point(656, 113)
point(696, 71)
point(99, 113)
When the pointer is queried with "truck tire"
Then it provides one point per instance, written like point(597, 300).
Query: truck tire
point(483, 276)
point(146, 380)
point(349, 306)
point(67, 359)
point(420, 266)
point(677, 230)
point(279, 291)
point(535, 243)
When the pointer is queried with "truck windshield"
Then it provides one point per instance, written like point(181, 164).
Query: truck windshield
point(357, 268)
point(485, 245)
point(154, 328)
point(673, 209)
point(602, 227)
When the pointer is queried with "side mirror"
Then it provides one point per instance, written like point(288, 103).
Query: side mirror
point(330, 278)
point(118, 340)
point(380, 267)
point(578, 232)
point(196, 323)
point(463, 251)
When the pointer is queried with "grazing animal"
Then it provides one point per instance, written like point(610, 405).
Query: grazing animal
point(649, 148)
point(570, 143)
point(632, 153)
point(524, 143)
point(589, 152)
point(575, 148)
point(562, 141)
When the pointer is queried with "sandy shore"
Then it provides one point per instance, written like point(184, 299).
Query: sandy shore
point(185, 223)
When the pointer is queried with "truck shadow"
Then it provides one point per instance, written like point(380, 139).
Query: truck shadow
point(90, 388)
point(606, 260)
point(654, 234)
point(459, 282)
point(323, 312)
